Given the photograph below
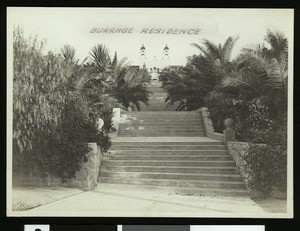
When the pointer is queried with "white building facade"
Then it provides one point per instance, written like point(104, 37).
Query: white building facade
point(155, 64)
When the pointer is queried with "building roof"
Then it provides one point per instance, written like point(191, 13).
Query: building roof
point(143, 47)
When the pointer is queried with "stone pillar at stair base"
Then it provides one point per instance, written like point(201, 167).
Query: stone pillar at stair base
point(229, 132)
point(115, 122)
point(229, 135)
point(87, 176)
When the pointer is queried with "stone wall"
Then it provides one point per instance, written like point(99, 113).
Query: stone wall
point(238, 150)
point(86, 177)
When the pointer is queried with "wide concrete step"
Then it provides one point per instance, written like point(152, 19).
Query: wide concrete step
point(142, 134)
point(174, 176)
point(174, 183)
point(164, 118)
point(171, 153)
point(170, 147)
point(165, 123)
point(144, 144)
point(161, 115)
point(224, 163)
point(160, 129)
point(166, 126)
point(189, 191)
point(172, 169)
point(170, 122)
point(168, 157)
point(162, 112)
point(159, 135)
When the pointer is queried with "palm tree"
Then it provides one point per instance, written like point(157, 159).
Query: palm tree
point(95, 76)
point(260, 75)
point(278, 43)
point(74, 67)
point(130, 86)
point(218, 54)
point(193, 83)
point(68, 52)
point(199, 77)
point(115, 60)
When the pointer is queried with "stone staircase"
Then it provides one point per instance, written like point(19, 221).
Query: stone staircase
point(157, 99)
point(193, 167)
point(161, 123)
point(173, 161)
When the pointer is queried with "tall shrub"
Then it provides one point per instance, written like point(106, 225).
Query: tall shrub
point(51, 123)
point(38, 91)
point(267, 165)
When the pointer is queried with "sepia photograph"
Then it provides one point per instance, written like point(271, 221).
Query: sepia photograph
point(150, 112)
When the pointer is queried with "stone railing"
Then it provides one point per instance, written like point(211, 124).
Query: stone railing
point(86, 178)
point(228, 133)
point(209, 128)
point(237, 150)
point(115, 120)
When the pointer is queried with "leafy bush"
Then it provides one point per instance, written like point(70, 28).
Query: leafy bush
point(39, 86)
point(267, 165)
point(103, 109)
point(51, 124)
point(69, 147)
point(250, 116)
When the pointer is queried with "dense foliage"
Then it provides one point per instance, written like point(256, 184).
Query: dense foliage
point(58, 100)
point(267, 165)
point(251, 89)
point(39, 90)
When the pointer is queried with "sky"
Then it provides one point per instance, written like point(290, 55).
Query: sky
point(60, 26)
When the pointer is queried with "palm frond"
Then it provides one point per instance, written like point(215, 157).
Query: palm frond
point(228, 47)
point(203, 50)
point(100, 57)
point(68, 53)
point(212, 49)
point(276, 78)
point(257, 64)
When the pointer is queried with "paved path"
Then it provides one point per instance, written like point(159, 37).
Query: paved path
point(146, 201)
